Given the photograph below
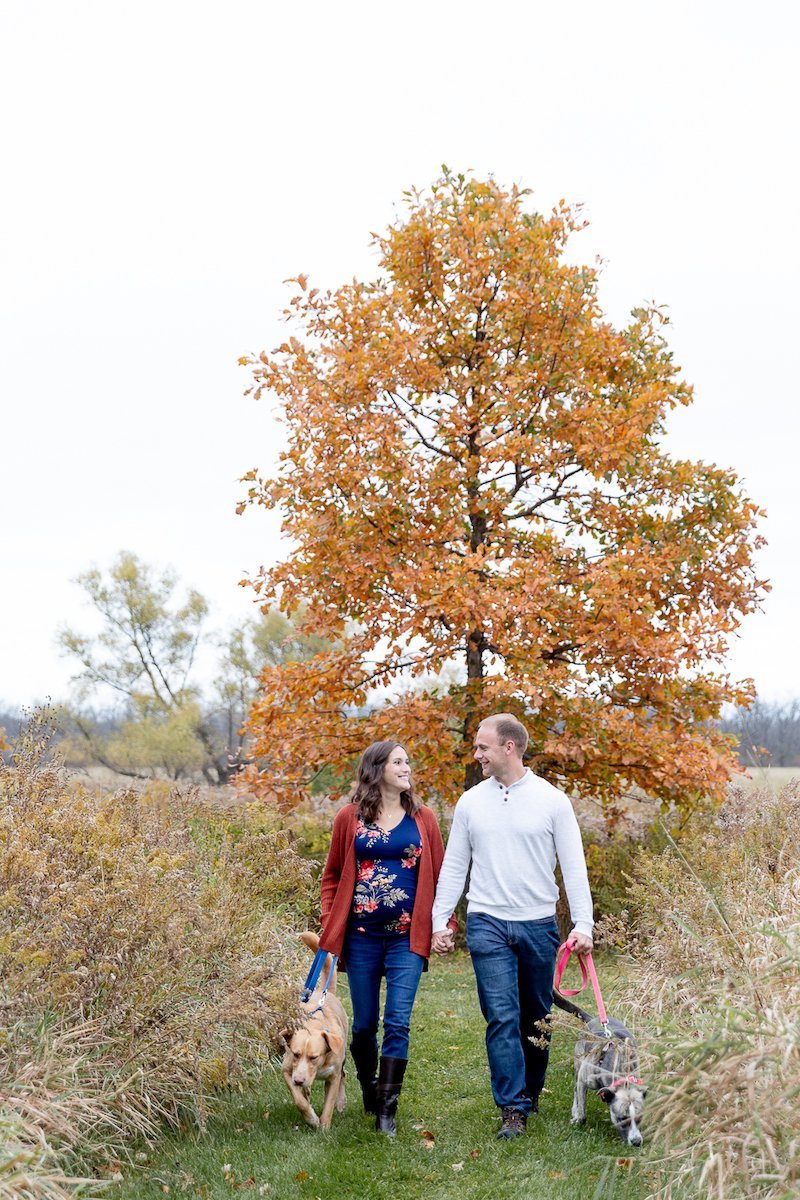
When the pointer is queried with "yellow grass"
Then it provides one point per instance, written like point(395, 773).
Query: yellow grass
point(716, 938)
point(147, 958)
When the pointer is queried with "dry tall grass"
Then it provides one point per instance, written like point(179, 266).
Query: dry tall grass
point(147, 957)
point(717, 934)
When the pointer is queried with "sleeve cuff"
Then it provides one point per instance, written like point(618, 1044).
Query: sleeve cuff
point(585, 928)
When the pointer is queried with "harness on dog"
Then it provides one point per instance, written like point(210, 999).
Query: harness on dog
point(313, 977)
point(585, 962)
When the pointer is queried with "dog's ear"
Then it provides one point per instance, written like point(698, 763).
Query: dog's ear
point(335, 1041)
point(644, 1092)
point(606, 1093)
point(285, 1036)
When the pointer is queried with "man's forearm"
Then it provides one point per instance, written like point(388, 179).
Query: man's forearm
point(452, 878)
point(572, 860)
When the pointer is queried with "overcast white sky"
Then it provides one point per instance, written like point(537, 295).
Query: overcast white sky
point(165, 166)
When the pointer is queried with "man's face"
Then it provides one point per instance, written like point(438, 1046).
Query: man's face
point(490, 752)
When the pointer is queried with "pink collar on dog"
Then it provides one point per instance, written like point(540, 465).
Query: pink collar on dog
point(625, 1080)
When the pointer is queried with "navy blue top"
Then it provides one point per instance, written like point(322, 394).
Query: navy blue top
point(387, 878)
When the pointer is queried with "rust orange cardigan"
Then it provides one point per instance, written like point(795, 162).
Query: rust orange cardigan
point(339, 881)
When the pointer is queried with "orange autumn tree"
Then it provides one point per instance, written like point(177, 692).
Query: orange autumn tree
point(482, 517)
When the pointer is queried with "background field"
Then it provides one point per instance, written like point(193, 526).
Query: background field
point(774, 778)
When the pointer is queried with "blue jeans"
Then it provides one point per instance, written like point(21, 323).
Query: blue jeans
point(367, 959)
point(514, 963)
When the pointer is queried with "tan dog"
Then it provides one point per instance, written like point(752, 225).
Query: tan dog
point(317, 1049)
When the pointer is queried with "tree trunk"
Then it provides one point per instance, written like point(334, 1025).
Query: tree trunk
point(216, 763)
point(472, 772)
point(477, 638)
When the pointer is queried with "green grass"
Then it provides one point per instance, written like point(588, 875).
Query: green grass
point(447, 1121)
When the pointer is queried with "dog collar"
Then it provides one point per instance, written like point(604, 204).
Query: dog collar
point(625, 1080)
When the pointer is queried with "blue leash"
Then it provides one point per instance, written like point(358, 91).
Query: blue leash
point(313, 976)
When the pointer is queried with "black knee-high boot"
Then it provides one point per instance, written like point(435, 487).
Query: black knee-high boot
point(365, 1055)
point(390, 1081)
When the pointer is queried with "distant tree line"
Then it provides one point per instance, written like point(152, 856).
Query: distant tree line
point(163, 724)
point(768, 733)
point(137, 707)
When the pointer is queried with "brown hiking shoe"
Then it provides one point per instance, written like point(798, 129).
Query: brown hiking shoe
point(514, 1122)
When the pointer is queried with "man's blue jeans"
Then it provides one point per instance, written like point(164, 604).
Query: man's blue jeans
point(367, 959)
point(514, 963)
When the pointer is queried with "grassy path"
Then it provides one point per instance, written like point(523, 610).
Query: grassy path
point(445, 1147)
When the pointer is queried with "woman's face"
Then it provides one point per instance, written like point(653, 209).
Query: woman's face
point(396, 771)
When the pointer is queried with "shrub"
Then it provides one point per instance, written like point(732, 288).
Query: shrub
point(717, 935)
point(612, 838)
point(148, 957)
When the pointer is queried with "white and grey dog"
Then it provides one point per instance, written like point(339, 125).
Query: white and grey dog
point(606, 1060)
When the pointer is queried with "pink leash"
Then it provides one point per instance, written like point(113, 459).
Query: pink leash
point(587, 972)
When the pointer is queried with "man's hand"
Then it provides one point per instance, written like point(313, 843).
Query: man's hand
point(443, 942)
point(582, 944)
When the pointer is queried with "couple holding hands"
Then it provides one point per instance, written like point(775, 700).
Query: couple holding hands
point(388, 893)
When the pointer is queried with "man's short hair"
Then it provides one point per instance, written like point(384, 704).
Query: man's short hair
point(509, 729)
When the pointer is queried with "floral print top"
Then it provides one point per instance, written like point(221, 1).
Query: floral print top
point(387, 878)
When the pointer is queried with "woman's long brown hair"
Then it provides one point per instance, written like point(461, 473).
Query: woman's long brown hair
point(367, 792)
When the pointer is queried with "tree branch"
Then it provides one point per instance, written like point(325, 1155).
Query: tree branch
point(440, 450)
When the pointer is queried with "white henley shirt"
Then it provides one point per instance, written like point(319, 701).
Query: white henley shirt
point(512, 836)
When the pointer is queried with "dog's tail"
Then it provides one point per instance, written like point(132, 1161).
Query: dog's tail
point(569, 1007)
point(312, 941)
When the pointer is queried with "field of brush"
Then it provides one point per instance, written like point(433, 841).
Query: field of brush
point(148, 959)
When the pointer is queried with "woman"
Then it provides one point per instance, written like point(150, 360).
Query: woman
point(376, 895)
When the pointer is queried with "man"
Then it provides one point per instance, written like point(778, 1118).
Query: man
point(508, 832)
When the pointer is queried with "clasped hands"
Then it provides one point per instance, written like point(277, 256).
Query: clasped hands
point(443, 942)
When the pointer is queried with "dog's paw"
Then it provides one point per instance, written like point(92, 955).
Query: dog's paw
point(312, 1119)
